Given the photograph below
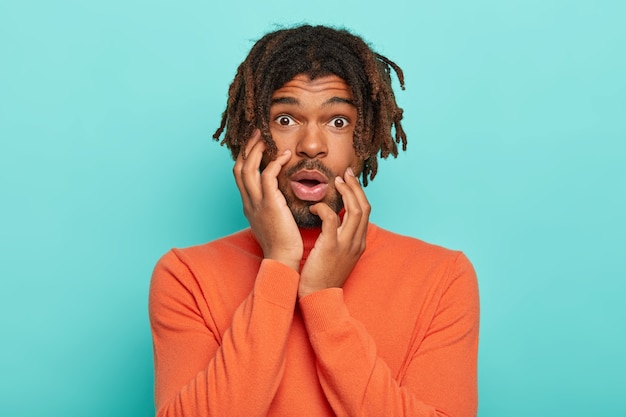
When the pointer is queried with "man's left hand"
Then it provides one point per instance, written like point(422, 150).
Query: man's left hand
point(341, 243)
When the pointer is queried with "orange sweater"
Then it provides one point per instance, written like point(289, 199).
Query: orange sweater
point(231, 339)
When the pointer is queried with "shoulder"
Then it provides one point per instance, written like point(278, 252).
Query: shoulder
point(402, 245)
point(191, 275)
point(236, 245)
point(422, 258)
point(218, 255)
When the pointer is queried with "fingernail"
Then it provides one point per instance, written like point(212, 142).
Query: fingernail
point(339, 179)
point(349, 171)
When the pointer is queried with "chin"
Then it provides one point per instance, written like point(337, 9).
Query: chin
point(300, 209)
point(307, 220)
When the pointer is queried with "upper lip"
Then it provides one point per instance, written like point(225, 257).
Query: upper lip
point(308, 175)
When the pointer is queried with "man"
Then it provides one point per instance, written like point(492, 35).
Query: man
point(313, 311)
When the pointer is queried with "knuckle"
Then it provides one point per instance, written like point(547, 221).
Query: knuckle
point(247, 168)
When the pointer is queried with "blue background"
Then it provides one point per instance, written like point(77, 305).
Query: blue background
point(516, 116)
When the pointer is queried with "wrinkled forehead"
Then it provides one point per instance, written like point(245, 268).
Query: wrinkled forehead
point(318, 85)
point(326, 91)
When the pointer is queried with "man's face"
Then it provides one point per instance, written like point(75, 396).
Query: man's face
point(315, 119)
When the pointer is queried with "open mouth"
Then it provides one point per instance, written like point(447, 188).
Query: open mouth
point(309, 178)
point(309, 185)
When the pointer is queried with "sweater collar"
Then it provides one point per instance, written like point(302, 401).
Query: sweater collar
point(309, 237)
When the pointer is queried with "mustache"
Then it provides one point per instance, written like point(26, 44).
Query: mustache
point(310, 165)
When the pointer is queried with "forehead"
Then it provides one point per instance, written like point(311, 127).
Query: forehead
point(303, 85)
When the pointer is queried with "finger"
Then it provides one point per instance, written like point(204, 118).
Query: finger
point(250, 175)
point(330, 219)
point(353, 212)
point(363, 202)
point(243, 154)
point(269, 176)
point(354, 184)
point(239, 165)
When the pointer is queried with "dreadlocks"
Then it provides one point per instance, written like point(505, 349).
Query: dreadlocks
point(316, 51)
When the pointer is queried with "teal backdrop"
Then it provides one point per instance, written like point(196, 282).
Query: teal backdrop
point(516, 117)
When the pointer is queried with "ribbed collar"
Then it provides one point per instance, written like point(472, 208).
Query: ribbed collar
point(309, 237)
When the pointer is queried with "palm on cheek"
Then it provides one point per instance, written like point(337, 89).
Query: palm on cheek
point(265, 207)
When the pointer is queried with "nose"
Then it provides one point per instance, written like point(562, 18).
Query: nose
point(312, 142)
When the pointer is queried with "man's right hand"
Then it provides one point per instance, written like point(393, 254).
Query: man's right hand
point(265, 206)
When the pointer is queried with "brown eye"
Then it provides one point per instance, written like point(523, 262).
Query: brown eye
point(284, 120)
point(339, 122)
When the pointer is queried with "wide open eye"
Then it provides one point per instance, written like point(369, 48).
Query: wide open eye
point(284, 120)
point(339, 122)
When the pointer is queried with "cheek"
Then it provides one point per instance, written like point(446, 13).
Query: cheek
point(358, 166)
point(352, 159)
point(280, 138)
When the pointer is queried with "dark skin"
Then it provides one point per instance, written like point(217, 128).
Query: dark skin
point(316, 123)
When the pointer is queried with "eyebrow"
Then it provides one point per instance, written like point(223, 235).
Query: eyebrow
point(295, 101)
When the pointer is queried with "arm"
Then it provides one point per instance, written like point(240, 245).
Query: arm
point(200, 372)
point(440, 379)
point(239, 374)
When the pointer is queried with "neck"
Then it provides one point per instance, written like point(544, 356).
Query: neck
point(309, 237)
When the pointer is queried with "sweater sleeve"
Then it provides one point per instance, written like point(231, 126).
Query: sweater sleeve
point(440, 378)
point(199, 372)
